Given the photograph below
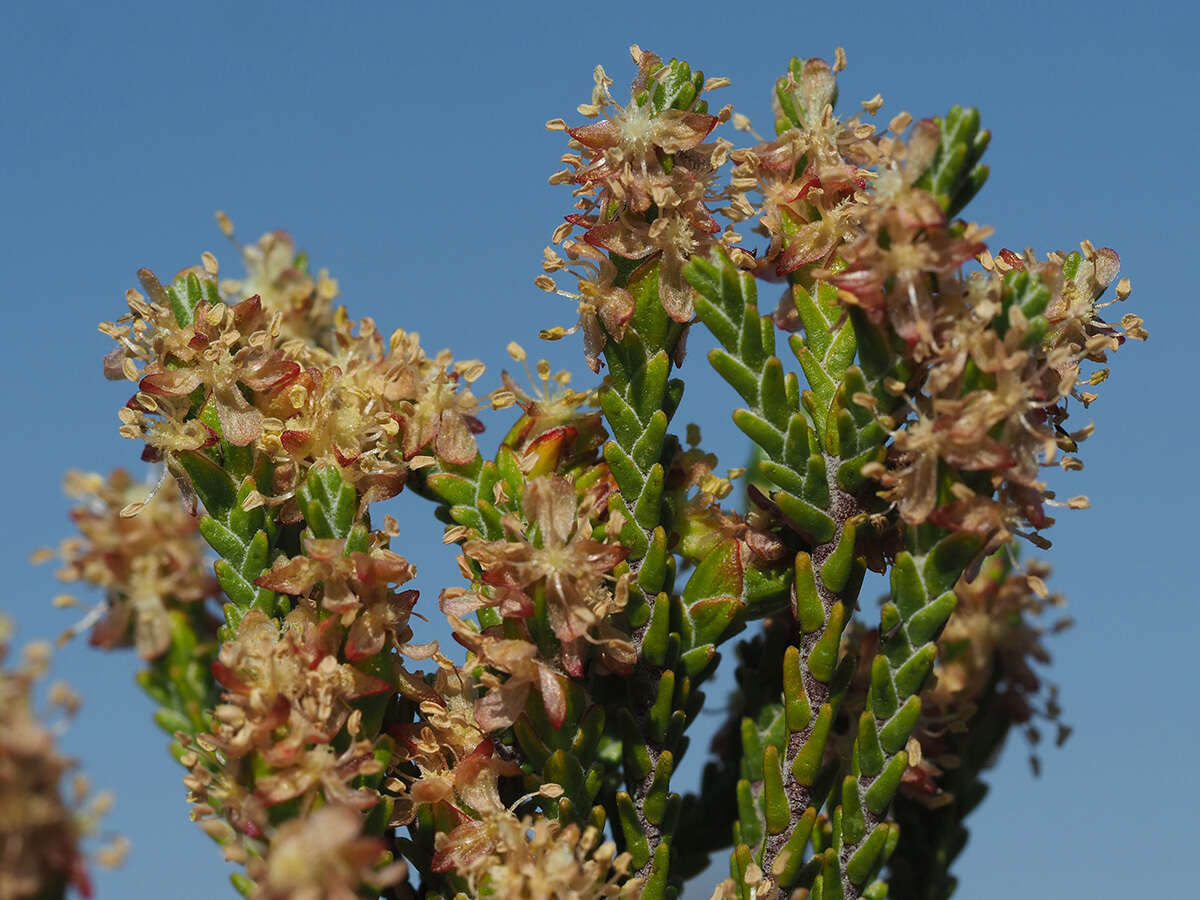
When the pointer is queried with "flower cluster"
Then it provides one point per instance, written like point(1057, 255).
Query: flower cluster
point(41, 830)
point(210, 370)
point(1000, 359)
point(904, 247)
point(143, 550)
point(539, 857)
point(322, 857)
point(990, 357)
point(287, 697)
point(556, 565)
point(279, 276)
point(808, 179)
point(646, 184)
point(453, 770)
point(356, 587)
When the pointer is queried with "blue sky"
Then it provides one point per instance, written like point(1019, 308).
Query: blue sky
point(403, 146)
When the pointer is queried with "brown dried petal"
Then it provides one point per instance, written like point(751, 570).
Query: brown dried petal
point(550, 502)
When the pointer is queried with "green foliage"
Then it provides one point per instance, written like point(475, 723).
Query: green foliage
point(679, 88)
point(956, 174)
point(802, 434)
point(329, 505)
point(573, 756)
point(179, 681)
point(468, 494)
point(922, 600)
point(638, 400)
point(814, 444)
point(242, 537)
point(183, 295)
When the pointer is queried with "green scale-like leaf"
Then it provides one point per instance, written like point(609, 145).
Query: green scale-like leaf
point(676, 636)
point(179, 680)
point(638, 401)
point(244, 538)
point(812, 441)
point(956, 174)
point(798, 432)
point(922, 599)
point(931, 839)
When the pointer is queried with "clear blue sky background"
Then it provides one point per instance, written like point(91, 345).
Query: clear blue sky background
point(403, 145)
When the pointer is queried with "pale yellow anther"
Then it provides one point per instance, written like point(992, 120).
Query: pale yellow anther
point(470, 370)
point(455, 534)
point(913, 748)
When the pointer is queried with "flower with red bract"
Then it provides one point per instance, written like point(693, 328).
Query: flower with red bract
point(203, 355)
point(355, 587)
point(645, 181)
point(323, 771)
point(518, 660)
point(285, 687)
point(559, 559)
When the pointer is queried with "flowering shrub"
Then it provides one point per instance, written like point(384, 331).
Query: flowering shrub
point(926, 384)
